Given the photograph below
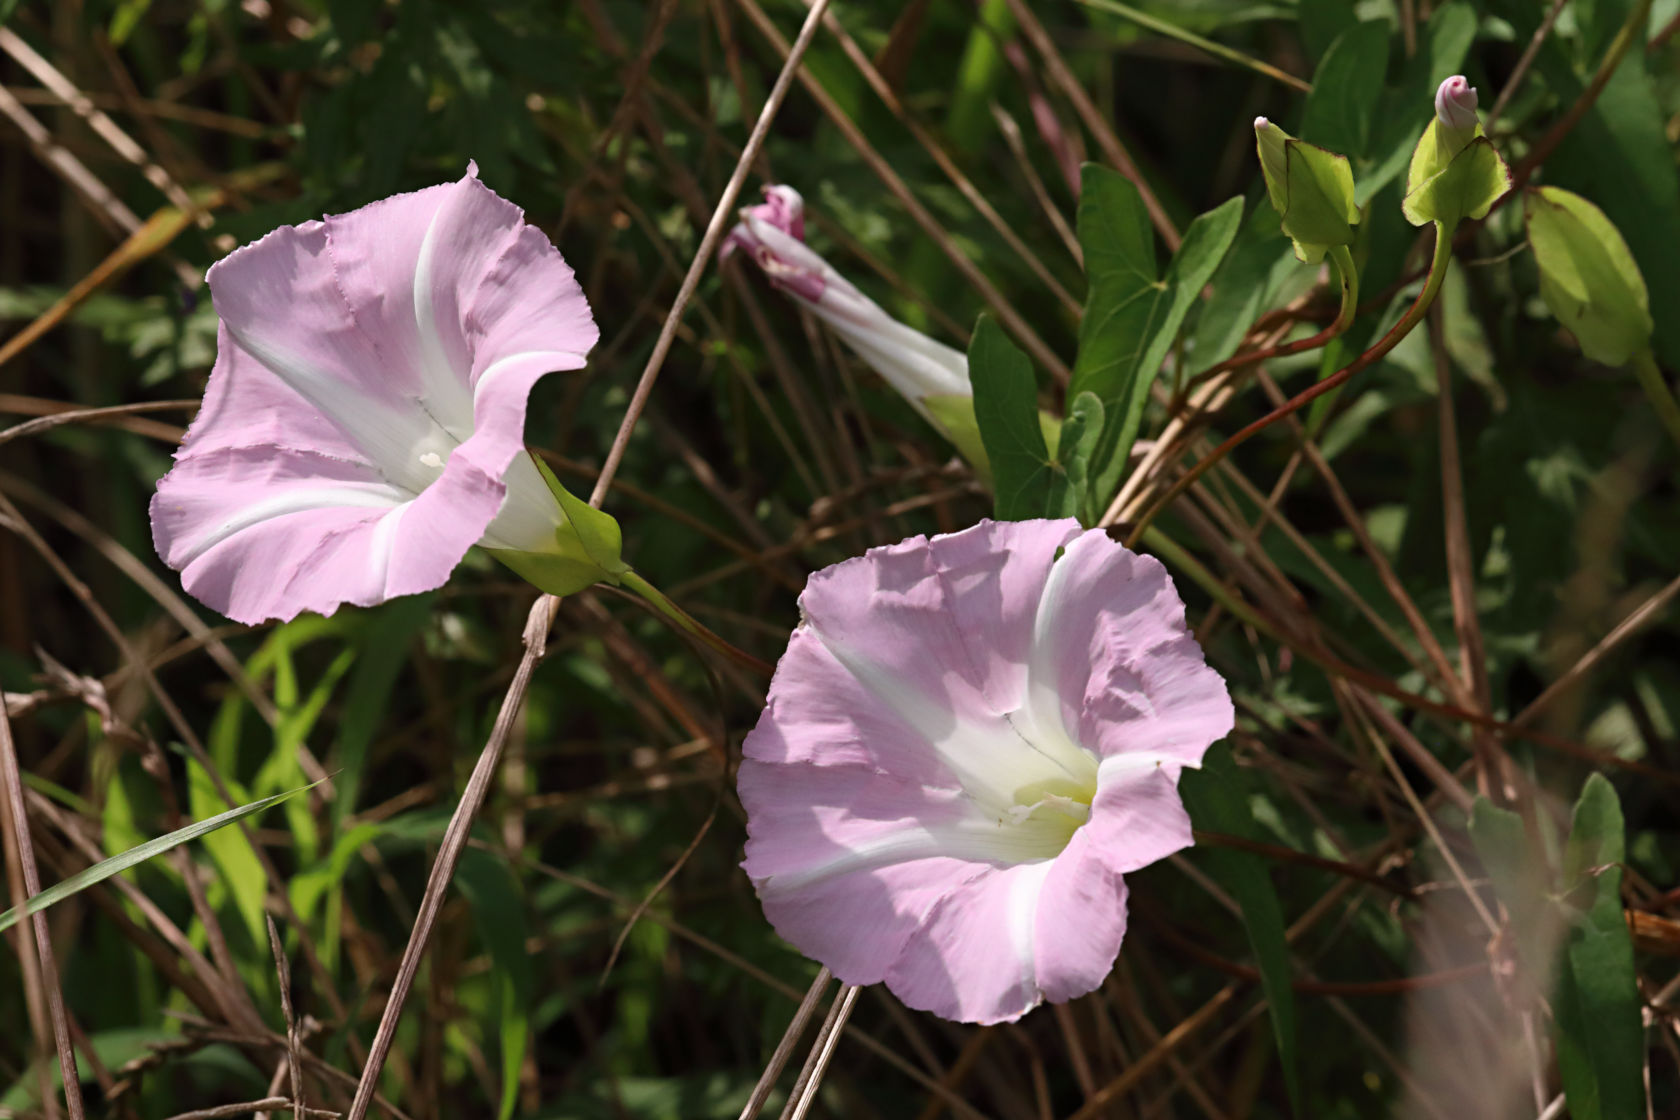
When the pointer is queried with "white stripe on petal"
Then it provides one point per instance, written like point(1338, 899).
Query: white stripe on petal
point(974, 840)
point(560, 359)
point(1119, 767)
point(1024, 890)
point(386, 432)
point(1040, 716)
point(379, 548)
point(445, 390)
point(368, 495)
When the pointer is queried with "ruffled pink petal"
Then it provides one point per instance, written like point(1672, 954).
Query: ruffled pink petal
point(809, 821)
point(942, 626)
point(858, 925)
point(818, 712)
point(993, 576)
point(1115, 652)
point(265, 532)
point(1136, 820)
point(1080, 921)
point(840, 856)
point(783, 208)
point(974, 958)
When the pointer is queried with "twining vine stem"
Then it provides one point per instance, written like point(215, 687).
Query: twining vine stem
point(1413, 316)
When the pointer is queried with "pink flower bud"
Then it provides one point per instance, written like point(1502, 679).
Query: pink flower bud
point(1455, 104)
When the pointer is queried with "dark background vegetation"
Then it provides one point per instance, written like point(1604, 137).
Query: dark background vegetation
point(766, 452)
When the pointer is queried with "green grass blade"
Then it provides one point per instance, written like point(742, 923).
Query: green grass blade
point(139, 854)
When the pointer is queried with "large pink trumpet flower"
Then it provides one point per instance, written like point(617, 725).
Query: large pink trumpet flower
point(364, 422)
point(969, 742)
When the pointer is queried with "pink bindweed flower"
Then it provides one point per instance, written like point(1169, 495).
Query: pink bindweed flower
point(968, 743)
point(1455, 104)
point(917, 366)
point(364, 423)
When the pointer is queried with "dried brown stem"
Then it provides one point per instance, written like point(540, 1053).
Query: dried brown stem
point(721, 217)
point(11, 777)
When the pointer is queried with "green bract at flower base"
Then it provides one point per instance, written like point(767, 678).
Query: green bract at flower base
point(1312, 189)
point(1454, 175)
point(586, 549)
point(1587, 276)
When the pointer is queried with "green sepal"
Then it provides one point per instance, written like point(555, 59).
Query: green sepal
point(1587, 275)
point(1451, 179)
point(588, 547)
point(953, 415)
point(1311, 188)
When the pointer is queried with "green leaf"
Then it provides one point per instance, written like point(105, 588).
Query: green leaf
point(1620, 157)
point(1006, 411)
point(116, 865)
point(241, 871)
point(1519, 879)
point(1345, 89)
point(1069, 487)
point(1322, 21)
point(499, 912)
point(1214, 797)
point(1132, 313)
point(597, 533)
point(1311, 188)
point(1600, 1036)
point(1448, 186)
point(1587, 275)
point(1242, 288)
point(112, 1049)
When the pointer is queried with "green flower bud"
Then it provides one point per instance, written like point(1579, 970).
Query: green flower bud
point(1310, 187)
point(1455, 172)
point(1587, 276)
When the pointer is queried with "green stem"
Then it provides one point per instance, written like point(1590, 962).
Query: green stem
point(1348, 277)
point(1350, 302)
point(685, 622)
point(1413, 316)
point(1657, 391)
point(1218, 50)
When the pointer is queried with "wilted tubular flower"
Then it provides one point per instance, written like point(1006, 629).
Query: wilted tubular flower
point(933, 377)
point(364, 423)
point(968, 743)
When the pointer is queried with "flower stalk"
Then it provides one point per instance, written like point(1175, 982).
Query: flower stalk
point(1347, 278)
point(686, 623)
point(1657, 392)
point(1413, 316)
